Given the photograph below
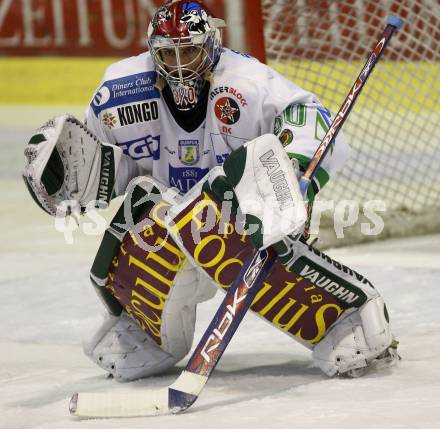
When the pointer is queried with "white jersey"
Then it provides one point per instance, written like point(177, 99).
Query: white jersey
point(246, 100)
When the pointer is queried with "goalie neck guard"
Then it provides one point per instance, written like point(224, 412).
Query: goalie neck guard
point(184, 39)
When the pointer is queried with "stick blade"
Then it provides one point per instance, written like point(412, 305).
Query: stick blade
point(102, 405)
point(168, 400)
point(180, 401)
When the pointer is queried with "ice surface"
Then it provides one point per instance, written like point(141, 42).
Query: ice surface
point(264, 379)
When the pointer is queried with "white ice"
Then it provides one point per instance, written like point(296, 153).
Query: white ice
point(264, 379)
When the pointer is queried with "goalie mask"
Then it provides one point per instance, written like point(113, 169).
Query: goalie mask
point(184, 39)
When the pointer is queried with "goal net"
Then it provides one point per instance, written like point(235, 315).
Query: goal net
point(393, 129)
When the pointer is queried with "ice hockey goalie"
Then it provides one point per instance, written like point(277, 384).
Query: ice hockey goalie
point(208, 145)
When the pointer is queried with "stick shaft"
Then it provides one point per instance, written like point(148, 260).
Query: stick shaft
point(231, 312)
point(220, 331)
point(393, 24)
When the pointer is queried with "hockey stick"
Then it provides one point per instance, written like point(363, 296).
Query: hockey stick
point(393, 24)
point(186, 389)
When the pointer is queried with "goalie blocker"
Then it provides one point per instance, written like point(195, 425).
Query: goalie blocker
point(152, 277)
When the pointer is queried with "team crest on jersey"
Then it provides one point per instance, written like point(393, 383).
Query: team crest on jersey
point(286, 137)
point(109, 120)
point(189, 152)
point(227, 110)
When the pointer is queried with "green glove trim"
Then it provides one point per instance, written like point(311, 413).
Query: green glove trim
point(234, 165)
point(53, 175)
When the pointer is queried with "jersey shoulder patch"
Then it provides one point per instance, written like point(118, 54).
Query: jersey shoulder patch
point(128, 81)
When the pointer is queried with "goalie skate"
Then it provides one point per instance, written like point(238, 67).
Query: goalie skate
point(387, 359)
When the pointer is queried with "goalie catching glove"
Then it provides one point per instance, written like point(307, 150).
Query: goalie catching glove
point(67, 162)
